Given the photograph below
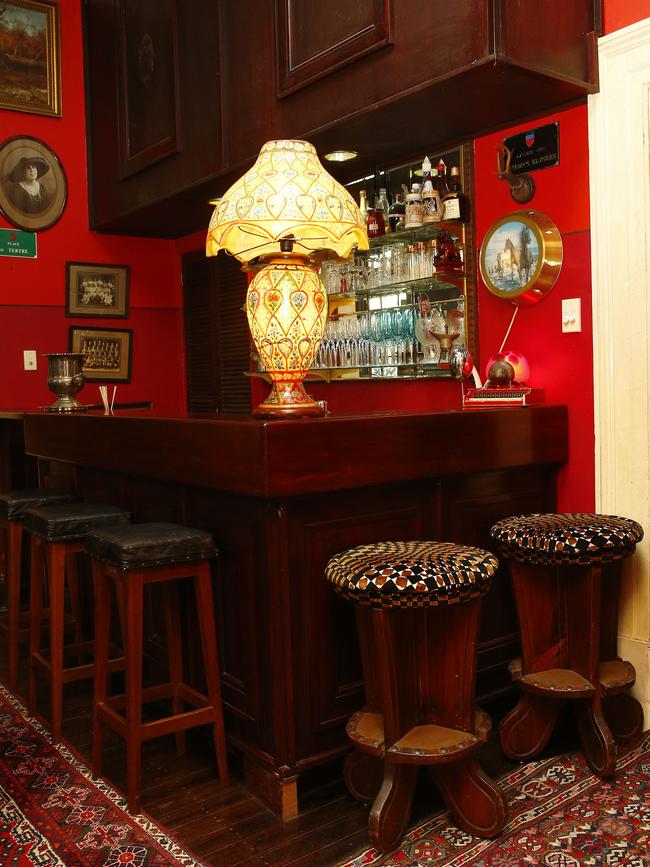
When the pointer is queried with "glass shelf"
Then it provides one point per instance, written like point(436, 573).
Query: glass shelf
point(423, 233)
point(431, 284)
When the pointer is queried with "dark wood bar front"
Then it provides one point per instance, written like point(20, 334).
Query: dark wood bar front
point(281, 498)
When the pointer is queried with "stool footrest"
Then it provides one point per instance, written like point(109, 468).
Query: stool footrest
point(72, 673)
point(161, 691)
point(424, 744)
point(615, 675)
point(559, 682)
point(156, 728)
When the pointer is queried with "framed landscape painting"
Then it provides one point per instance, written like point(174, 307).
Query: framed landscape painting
point(30, 63)
point(106, 352)
point(97, 290)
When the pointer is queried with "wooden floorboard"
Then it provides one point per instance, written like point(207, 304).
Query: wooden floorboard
point(228, 827)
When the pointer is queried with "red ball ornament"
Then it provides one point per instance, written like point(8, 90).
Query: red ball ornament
point(518, 361)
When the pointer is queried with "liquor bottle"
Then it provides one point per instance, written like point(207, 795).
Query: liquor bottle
point(396, 213)
point(382, 205)
point(375, 223)
point(443, 189)
point(363, 205)
point(454, 200)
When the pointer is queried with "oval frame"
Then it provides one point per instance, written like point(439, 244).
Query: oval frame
point(12, 150)
point(544, 247)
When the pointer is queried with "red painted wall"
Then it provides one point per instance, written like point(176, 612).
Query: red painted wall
point(620, 13)
point(32, 292)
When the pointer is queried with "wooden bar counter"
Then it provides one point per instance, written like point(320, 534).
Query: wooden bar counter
point(282, 497)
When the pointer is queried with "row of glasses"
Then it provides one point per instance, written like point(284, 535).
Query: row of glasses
point(373, 338)
point(382, 266)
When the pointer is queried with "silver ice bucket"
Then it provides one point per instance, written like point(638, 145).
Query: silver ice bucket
point(65, 378)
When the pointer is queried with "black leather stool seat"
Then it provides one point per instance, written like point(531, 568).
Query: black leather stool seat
point(411, 574)
point(567, 539)
point(70, 521)
point(141, 545)
point(13, 504)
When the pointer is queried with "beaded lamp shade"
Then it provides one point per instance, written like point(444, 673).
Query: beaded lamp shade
point(283, 210)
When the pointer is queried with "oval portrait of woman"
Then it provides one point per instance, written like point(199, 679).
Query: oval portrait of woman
point(33, 187)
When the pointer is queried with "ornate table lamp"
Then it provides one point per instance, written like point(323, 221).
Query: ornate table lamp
point(283, 210)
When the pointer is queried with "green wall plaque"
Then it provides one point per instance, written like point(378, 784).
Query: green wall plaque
point(16, 243)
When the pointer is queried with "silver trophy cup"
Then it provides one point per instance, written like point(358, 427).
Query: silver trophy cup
point(65, 378)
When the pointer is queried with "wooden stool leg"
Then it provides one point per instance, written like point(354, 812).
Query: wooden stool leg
point(133, 653)
point(363, 776)
point(56, 576)
point(391, 809)
point(205, 613)
point(472, 798)
point(174, 652)
point(72, 580)
point(595, 736)
point(526, 729)
point(102, 588)
point(37, 573)
point(624, 716)
point(13, 556)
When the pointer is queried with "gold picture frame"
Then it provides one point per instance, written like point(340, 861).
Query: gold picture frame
point(106, 351)
point(521, 257)
point(33, 185)
point(97, 290)
point(31, 76)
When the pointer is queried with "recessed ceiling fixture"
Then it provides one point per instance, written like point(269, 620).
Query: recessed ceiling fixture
point(341, 156)
point(214, 202)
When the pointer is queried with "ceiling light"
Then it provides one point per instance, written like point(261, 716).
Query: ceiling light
point(341, 156)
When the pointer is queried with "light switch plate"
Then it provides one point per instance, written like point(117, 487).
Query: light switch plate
point(571, 315)
point(29, 357)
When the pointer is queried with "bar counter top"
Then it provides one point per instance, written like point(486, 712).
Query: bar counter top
point(278, 458)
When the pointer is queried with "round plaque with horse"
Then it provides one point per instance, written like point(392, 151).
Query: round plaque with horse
point(521, 257)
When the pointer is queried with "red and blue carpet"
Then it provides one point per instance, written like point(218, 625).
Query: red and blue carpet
point(53, 813)
point(559, 815)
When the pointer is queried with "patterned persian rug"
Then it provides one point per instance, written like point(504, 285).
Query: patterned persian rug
point(53, 813)
point(559, 815)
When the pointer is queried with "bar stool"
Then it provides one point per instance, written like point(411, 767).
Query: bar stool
point(127, 558)
point(566, 571)
point(58, 534)
point(12, 507)
point(417, 613)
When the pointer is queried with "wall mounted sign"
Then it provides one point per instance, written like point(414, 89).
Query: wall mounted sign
point(521, 257)
point(15, 243)
point(33, 187)
point(534, 149)
point(29, 57)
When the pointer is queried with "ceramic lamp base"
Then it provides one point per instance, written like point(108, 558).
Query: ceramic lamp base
point(288, 399)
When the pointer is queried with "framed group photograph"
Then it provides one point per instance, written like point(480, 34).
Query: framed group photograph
point(33, 186)
point(106, 352)
point(97, 290)
point(521, 257)
point(30, 63)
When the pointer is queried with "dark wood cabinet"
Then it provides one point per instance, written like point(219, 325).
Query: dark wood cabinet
point(384, 78)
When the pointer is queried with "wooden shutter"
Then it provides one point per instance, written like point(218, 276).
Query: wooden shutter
point(216, 334)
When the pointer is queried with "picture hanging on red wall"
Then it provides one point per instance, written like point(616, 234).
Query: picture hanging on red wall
point(33, 186)
point(30, 64)
point(521, 257)
point(106, 352)
point(97, 290)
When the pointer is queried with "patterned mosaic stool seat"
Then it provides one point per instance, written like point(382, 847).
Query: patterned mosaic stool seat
point(566, 573)
point(58, 534)
point(13, 505)
point(125, 559)
point(417, 617)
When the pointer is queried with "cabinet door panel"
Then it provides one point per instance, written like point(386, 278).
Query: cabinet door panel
point(316, 38)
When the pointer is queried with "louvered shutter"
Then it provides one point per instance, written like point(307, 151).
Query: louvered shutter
point(216, 334)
